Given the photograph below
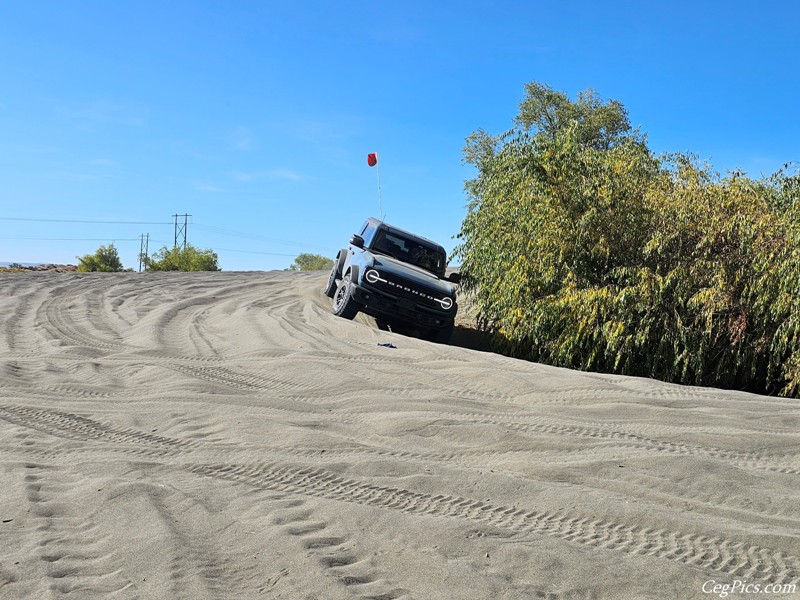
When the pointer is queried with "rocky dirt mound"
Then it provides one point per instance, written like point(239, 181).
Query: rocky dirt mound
point(48, 268)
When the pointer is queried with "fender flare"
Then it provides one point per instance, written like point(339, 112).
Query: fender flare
point(340, 258)
point(354, 274)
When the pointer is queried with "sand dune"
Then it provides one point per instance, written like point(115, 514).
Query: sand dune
point(222, 435)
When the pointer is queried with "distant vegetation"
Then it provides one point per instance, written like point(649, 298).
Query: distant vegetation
point(13, 268)
point(40, 268)
point(583, 249)
point(311, 262)
point(182, 259)
point(105, 258)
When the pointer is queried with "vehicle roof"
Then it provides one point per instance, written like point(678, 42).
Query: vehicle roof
point(379, 223)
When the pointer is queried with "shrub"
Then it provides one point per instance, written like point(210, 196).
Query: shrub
point(182, 259)
point(105, 258)
point(311, 262)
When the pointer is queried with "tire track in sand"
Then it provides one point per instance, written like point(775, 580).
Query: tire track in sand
point(75, 427)
point(780, 463)
point(335, 553)
point(19, 319)
point(244, 381)
point(56, 315)
point(71, 552)
point(735, 559)
point(197, 567)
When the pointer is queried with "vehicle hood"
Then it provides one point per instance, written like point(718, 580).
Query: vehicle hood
point(414, 275)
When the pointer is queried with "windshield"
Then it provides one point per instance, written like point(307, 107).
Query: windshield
point(411, 251)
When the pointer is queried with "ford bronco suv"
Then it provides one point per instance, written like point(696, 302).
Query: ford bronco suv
point(398, 278)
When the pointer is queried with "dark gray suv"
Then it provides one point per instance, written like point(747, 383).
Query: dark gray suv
point(398, 278)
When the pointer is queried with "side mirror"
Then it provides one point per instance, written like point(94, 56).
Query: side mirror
point(357, 241)
point(454, 278)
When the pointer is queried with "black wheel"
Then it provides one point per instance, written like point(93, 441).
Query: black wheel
point(330, 289)
point(343, 303)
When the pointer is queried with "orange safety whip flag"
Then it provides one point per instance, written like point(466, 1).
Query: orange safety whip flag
point(372, 159)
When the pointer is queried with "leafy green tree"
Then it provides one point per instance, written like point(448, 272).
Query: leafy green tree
point(582, 249)
point(182, 259)
point(726, 266)
point(311, 262)
point(549, 112)
point(105, 258)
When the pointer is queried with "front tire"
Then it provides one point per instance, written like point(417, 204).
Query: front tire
point(343, 303)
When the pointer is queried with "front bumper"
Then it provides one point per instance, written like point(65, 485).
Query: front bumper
point(381, 304)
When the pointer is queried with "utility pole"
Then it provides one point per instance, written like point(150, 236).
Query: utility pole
point(180, 230)
point(143, 250)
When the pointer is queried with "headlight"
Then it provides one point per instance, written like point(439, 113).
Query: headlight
point(372, 276)
point(447, 303)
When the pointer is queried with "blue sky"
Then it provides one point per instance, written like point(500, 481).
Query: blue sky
point(256, 117)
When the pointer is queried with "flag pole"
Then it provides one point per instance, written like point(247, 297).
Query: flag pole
point(372, 161)
point(380, 202)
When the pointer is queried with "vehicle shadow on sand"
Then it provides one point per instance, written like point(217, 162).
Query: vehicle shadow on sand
point(463, 336)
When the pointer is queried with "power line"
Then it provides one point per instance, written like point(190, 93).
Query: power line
point(180, 232)
point(40, 239)
point(252, 252)
point(85, 221)
point(241, 234)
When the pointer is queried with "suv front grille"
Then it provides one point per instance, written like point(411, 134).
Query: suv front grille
point(404, 289)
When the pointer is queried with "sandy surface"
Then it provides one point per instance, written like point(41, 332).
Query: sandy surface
point(222, 435)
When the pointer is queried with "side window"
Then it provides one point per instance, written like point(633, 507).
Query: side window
point(368, 234)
